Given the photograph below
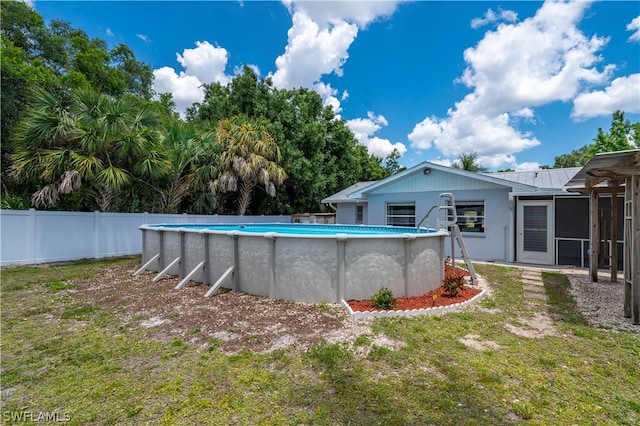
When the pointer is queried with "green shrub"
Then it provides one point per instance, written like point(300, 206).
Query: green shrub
point(384, 299)
point(452, 284)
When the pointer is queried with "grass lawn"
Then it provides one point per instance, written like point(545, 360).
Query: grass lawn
point(64, 359)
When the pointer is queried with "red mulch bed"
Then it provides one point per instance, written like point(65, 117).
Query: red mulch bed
point(422, 302)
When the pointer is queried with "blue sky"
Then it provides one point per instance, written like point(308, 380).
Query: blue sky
point(516, 82)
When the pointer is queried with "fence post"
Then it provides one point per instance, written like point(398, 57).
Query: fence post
point(96, 234)
point(32, 243)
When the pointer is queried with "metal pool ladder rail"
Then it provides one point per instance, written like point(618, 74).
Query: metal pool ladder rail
point(448, 218)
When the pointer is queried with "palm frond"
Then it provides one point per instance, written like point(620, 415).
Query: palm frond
point(87, 165)
point(70, 181)
point(48, 195)
point(113, 178)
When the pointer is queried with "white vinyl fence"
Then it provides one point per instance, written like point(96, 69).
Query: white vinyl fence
point(32, 236)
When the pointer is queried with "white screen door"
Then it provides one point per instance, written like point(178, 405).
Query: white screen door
point(535, 232)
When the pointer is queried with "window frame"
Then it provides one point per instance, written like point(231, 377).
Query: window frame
point(359, 214)
point(390, 218)
point(473, 224)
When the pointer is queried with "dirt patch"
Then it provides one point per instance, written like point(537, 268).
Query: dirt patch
point(232, 321)
point(473, 341)
point(536, 327)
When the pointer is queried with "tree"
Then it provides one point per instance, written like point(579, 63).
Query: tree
point(468, 162)
point(193, 152)
point(576, 158)
point(319, 153)
point(622, 136)
point(249, 157)
point(95, 143)
point(391, 162)
point(56, 58)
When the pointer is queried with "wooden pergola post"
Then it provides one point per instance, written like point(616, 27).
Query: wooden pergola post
point(607, 173)
point(614, 236)
point(632, 249)
point(594, 238)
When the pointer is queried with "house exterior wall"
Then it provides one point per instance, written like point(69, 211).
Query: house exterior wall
point(346, 213)
point(493, 244)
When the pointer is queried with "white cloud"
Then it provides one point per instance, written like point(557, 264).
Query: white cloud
point(634, 25)
point(318, 45)
point(490, 17)
point(312, 52)
point(513, 69)
point(186, 89)
point(622, 94)
point(205, 62)
point(109, 32)
point(143, 37)
point(365, 128)
point(327, 93)
point(327, 13)
point(202, 65)
point(526, 167)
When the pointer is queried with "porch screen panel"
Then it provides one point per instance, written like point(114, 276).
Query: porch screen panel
point(535, 228)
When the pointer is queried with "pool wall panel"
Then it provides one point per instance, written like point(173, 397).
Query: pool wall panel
point(372, 264)
point(253, 271)
point(220, 257)
point(194, 254)
point(306, 270)
point(172, 251)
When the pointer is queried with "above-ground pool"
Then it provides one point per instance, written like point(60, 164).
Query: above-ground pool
point(300, 262)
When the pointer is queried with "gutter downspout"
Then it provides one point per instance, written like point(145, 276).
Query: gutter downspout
point(509, 237)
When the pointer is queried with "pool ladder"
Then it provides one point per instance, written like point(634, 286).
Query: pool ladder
point(447, 205)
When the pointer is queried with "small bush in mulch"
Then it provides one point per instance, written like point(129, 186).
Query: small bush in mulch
point(452, 284)
point(384, 299)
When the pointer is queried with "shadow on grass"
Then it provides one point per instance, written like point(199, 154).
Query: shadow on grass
point(562, 305)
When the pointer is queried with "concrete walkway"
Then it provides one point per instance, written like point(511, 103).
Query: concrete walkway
point(533, 286)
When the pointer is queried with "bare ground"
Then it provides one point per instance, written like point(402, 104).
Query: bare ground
point(233, 321)
point(238, 322)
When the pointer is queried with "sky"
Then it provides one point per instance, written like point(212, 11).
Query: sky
point(515, 82)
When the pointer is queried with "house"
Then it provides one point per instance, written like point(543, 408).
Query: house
point(527, 217)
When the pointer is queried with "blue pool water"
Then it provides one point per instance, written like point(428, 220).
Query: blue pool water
point(302, 229)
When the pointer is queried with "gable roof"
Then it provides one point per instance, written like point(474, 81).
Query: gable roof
point(359, 191)
point(344, 195)
point(539, 182)
point(420, 169)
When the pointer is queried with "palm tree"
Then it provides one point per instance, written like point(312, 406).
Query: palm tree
point(96, 142)
point(193, 151)
point(468, 162)
point(250, 157)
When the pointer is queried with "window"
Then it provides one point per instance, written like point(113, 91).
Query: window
point(359, 213)
point(470, 216)
point(401, 214)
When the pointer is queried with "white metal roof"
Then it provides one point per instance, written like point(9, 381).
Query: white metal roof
point(541, 179)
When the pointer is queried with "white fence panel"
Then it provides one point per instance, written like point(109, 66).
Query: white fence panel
point(16, 237)
point(117, 234)
point(63, 236)
point(28, 237)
